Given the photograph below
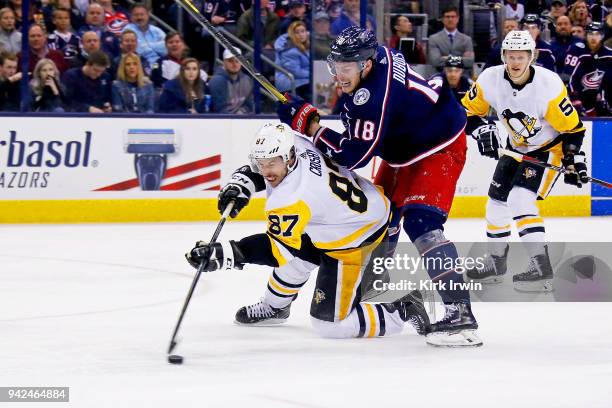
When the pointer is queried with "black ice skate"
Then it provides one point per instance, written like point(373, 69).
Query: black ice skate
point(456, 329)
point(493, 270)
point(411, 310)
point(539, 275)
point(262, 314)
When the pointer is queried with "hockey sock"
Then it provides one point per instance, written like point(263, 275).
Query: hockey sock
point(529, 223)
point(498, 226)
point(366, 320)
point(283, 287)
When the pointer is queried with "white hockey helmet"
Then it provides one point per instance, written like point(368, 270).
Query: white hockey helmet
point(272, 140)
point(518, 41)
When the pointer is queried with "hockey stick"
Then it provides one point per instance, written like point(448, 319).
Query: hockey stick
point(193, 11)
point(522, 157)
point(203, 265)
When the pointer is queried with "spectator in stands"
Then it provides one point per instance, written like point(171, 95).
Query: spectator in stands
point(600, 9)
point(225, 13)
point(450, 41)
point(88, 88)
point(514, 9)
point(494, 57)
point(46, 90)
point(39, 50)
point(90, 43)
point(129, 43)
point(321, 36)
point(151, 38)
point(562, 41)
point(10, 38)
point(115, 18)
point(535, 6)
point(579, 13)
point(15, 5)
point(297, 12)
point(168, 67)
point(558, 8)
point(132, 90)
point(76, 18)
point(401, 27)
point(10, 94)
point(230, 88)
point(185, 93)
point(293, 54)
point(454, 78)
point(351, 16)
point(270, 26)
point(578, 32)
point(63, 38)
point(546, 59)
point(94, 21)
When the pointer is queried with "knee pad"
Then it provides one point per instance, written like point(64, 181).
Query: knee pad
point(335, 330)
point(522, 202)
point(419, 221)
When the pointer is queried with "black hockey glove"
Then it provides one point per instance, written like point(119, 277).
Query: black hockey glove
point(215, 256)
point(297, 113)
point(574, 161)
point(488, 142)
point(243, 183)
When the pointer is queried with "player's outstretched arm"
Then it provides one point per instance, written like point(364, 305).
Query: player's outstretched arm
point(242, 185)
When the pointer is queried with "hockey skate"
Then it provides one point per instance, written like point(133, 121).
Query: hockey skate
point(411, 310)
point(539, 275)
point(262, 314)
point(456, 329)
point(493, 270)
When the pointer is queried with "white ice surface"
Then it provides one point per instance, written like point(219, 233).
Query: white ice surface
point(93, 306)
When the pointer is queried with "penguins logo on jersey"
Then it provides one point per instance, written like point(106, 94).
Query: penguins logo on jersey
point(319, 296)
point(520, 126)
point(529, 173)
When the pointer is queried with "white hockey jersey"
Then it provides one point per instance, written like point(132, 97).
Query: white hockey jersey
point(534, 114)
point(334, 207)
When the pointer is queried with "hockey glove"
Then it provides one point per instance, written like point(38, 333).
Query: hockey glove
point(297, 113)
point(215, 256)
point(487, 139)
point(239, 189)
point(575, 163)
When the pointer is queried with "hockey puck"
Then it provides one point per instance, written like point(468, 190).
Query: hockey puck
point(175, 359)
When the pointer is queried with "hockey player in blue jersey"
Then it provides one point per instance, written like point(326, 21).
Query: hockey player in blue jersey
point(545, 58)
point(586, 64)
point(392, 112)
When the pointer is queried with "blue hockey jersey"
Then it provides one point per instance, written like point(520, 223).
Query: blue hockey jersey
point(395, 114)
point(586, 72)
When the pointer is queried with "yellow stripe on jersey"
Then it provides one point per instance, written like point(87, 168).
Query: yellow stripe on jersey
point(287, 224)
point(339, 243)
point(370, 310)
point(497, 228)
point(527, 221)
point(276, 252)
point(556, 153)
point(474, 101)
point(282, 290)
point(562, 116)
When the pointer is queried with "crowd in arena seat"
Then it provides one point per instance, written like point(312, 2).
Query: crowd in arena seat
point(105, 56)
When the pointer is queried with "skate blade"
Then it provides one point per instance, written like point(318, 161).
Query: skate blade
point(265, 323)
point(463, 338)
point(489, 279)
point(537, 286)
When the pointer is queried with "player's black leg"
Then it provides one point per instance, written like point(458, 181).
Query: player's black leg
point(425, 228)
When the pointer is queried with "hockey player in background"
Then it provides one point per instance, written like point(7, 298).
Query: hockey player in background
point(319, 215)
point(452, 77)
point(390, 111)
point(532, 104)
point(587, 63)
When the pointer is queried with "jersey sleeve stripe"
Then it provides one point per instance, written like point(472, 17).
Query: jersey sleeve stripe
point(319, 136)
point(429, 152)
point(382, 115)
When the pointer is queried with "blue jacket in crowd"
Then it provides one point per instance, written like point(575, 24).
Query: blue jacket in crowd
point(241, 92)
point(173, 100)
point(292, 59)
point(83, 92)
point(151, 43)
point(128, 97)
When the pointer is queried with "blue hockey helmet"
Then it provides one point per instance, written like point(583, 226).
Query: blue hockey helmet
point(595, 27)
point(532, 19)
point(454, 61)
point(353, 44)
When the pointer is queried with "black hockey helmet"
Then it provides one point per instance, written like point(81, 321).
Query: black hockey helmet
point(532, 19)
point(454, 61)
point(353, 44)
point(595, 27)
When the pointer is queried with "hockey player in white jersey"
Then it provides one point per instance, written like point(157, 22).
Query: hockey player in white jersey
point(532, 104)
point(319, 215)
